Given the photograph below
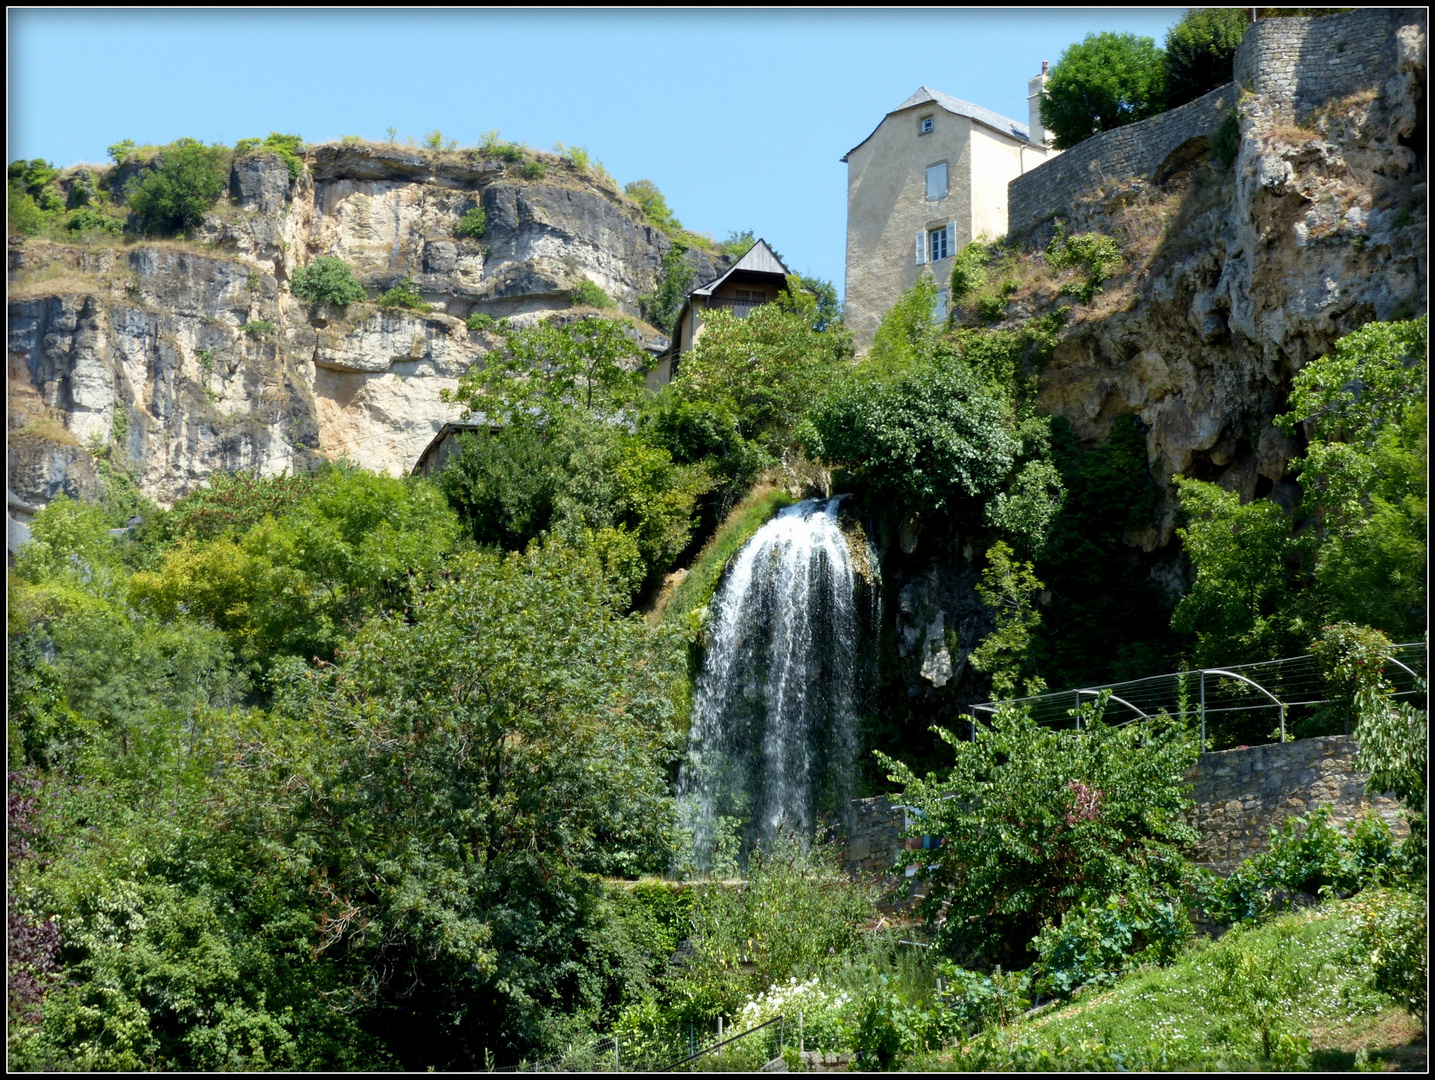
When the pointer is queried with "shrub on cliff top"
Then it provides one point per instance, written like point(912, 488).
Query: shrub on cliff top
point(1102, 83)
point(188, 178)
point(327, 280)
point(405, 295)
point(288, 147)
point(585, 292)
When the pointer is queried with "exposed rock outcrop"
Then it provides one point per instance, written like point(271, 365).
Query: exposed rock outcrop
point(172, 359)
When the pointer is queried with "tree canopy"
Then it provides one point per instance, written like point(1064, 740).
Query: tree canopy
point(1101, 83)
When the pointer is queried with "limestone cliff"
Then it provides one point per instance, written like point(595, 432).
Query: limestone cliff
point(1235, 271)
point(173, 359)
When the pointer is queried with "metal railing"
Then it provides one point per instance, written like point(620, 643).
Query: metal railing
point(1283, 686)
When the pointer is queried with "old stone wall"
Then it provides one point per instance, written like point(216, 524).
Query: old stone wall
point(1240, 795)
point(1292, 66)
point(1136, 150)
point(1296, 65)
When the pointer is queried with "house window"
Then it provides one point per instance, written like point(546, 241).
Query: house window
point(756, 296)
point(924, 125)
point(939, 243)
point(937, 180)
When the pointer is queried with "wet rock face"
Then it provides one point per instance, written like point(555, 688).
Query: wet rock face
point(180, 358)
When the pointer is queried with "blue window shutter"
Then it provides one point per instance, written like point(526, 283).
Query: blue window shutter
point(921, 247)
point(951, 237)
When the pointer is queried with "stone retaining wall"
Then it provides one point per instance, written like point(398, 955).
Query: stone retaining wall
point(1137, 149)
point(1296, 65)
point(1292, 66)
point(1241, 795)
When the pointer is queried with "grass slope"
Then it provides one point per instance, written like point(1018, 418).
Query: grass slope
point(1182, 1018)
point(695, 588)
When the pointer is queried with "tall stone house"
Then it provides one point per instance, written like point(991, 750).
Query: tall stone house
point(930, 178)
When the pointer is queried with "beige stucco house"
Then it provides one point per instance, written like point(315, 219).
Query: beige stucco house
point(931, 178)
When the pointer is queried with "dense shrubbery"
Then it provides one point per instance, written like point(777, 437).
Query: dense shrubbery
point(327, 280)
point(187, 179)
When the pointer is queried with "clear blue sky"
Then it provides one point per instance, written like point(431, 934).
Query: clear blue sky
point(739, 117)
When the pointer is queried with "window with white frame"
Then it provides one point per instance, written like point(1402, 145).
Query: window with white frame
point(939, 244)
point(925, 124)
point(935, 244)
point(937, 180)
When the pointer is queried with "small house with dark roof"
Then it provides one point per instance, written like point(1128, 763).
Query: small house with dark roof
point(931, 178)
point(755, 279)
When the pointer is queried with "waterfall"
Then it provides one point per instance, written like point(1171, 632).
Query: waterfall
point(774, 731)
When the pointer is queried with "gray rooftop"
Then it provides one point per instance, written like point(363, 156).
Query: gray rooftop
point(926, 94)
point(759, 259)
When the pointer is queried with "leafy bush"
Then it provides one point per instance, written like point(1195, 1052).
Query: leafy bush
point(1102, 83)
point(1200, 51)
point(473, 224)
point(1394, 941)
point(1096, 943)
point(1034, 822)
point(764, 370)
point(1227, 141)
point(494, 146)
point(533, 169)
point(327, 280)
point(654, 207)
point(84, 219)
point(288, 147)
point(930, 439)
point(478, 322)
point(405, 295)
point(675, 277)
point(588, 294)
point(258, 328)
point(1307, 855)
point(577, 156)
point(33, 197)
point(969, 271)
point(1094, 254)
point(186, 181)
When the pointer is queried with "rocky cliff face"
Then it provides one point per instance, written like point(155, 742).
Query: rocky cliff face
point(171, 359)
point(1236, 276)
point(1233, 276)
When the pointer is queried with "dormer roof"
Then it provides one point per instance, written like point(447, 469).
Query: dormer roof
point(925, 95)
point(759, 259)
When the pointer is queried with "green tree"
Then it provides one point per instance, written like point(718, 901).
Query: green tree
point(514, 731)
point(592, 364)
point(327, 280)
point(1200, 51)
point(1010, 588)
point(1244, 603)
point(186, 180)
point(1102, 83)
point(675, 277)
point(1364, 474)
point(1034, 821)
point(931, 438)
point(764, 370)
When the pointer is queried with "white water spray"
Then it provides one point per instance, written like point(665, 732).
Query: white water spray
point(774, 732)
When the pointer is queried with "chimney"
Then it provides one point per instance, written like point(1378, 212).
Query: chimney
point(1034, 90)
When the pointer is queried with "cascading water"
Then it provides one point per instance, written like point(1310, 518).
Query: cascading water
point(774, 732)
